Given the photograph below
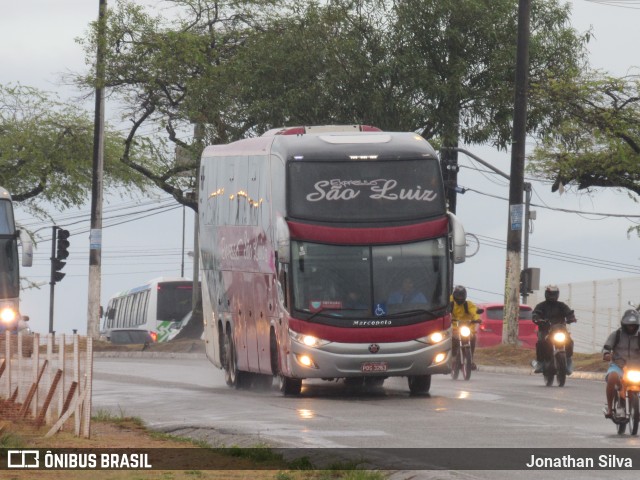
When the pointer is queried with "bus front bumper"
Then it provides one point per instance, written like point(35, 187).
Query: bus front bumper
point(341, 360)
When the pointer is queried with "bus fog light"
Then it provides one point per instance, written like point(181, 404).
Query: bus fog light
point(306, 361)
point(440, 358)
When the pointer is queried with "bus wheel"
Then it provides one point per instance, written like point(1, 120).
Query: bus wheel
point(273, 353)
point(290, 386)
point(419, 384)
point(232, 376)
point(230, 370)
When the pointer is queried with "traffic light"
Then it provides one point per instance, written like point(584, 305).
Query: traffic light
point(62, 253)
point(63, 244)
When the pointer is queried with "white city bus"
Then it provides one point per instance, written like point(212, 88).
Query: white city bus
point(10, 317)
point(159, 306)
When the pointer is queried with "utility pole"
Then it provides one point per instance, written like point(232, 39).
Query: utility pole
point(516, 186)
point(183, 226)
point(525, 286)
point(198, 137)
point(95, 237)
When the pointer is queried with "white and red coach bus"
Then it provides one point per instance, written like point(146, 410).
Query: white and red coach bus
point(327, 252)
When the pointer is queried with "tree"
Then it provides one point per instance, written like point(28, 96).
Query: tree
point(596, 142)
point(46, 147)
point(166, 74)
point(443, 68)
point(459, 60)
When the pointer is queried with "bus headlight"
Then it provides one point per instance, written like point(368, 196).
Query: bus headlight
point(8, 315)
point(432, 339)
point(307, 340)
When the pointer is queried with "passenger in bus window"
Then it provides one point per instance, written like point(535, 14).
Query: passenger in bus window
point(354, 301)
point(406, 294)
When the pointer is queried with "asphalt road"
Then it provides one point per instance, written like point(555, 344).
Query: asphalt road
point(491, 410)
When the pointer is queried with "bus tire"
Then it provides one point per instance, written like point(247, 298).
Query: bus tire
point(419, 384)
point(273, 353)
point(290, 386)
point(230, 373)
point(232, 376)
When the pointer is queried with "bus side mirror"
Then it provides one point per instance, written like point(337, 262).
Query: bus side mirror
point(27, 249)
point(283, 242)
point(458, 239)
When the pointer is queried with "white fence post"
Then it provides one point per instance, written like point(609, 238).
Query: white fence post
point(61, 360)
point(87, 401)
point(76, 378)
point(36, 368)
point(7, 364)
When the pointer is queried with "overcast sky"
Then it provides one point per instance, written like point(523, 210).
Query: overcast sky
point(37, 46)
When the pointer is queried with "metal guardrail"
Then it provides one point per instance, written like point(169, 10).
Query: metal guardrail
point(47, 379)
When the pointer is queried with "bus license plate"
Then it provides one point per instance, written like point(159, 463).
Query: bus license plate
point(374, 367)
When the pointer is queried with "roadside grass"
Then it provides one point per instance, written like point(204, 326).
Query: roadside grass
point(509, 355)
point(111, 430)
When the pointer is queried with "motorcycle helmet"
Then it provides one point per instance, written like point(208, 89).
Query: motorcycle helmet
point(551, 293)
point(630, 321)
point(459, 294)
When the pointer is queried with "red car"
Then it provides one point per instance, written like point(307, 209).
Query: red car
point(489, 332)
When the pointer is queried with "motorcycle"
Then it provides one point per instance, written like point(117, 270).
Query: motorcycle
point(556, 362)
point(626, 410)
point(461, 354)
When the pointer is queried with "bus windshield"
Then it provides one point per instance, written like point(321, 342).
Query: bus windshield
point(9, 275)
point(366, 281)
point(174, 300)
point(7, 225)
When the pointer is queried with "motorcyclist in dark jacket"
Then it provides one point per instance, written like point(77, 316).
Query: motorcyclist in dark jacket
point(554, 312)
point(621, 348)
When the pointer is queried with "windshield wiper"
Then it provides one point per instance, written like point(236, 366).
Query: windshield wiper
point(323, 310)
point(407, 313)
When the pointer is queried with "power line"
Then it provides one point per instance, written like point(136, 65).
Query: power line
point(556, 209)
point(618, 3)
point(566, 257)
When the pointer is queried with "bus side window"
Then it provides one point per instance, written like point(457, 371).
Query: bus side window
point(283, 286)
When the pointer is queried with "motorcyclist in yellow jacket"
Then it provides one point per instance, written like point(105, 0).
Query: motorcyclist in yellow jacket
point(463, 309)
